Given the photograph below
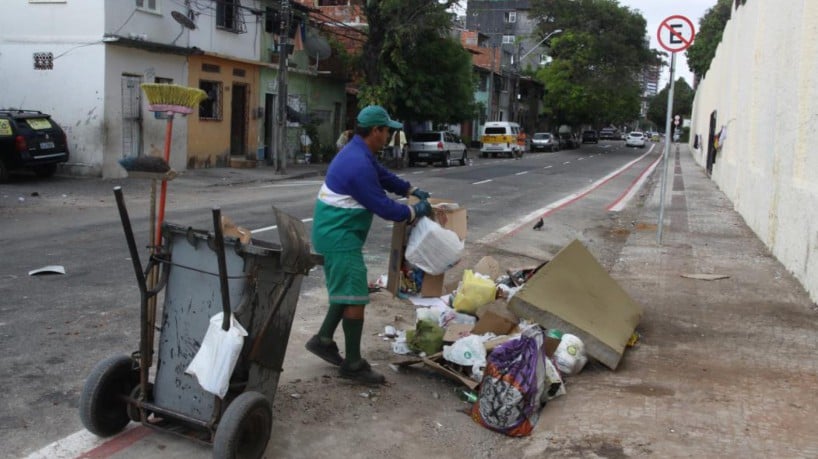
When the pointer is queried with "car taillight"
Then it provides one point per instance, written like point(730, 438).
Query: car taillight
point(20, 144)
point(440, 146)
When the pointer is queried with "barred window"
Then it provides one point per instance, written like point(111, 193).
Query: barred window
point(211, 108)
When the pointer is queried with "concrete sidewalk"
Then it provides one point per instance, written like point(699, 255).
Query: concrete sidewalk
point(262, 173)
point(724, 368)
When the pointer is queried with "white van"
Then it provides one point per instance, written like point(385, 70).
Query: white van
point(500, 138)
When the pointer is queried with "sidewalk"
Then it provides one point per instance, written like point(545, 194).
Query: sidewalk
point(229, 176)
point(724, 368)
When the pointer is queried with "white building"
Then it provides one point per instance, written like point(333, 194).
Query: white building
point(82, 61)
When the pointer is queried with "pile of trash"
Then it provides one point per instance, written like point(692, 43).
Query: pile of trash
point(509, 336)
point(506, 364)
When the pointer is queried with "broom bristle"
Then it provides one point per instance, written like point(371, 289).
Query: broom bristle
point(172, 97)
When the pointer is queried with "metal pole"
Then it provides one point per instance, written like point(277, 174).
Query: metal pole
point(283, 54)
point(666, 153)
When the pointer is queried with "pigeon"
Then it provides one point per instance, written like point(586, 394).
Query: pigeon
point(538, 225)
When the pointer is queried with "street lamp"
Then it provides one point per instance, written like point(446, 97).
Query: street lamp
point(538, 45)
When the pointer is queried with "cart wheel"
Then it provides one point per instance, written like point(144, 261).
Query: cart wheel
point(102, 411)
point(244, 428)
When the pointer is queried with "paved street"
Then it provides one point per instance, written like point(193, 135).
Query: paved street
point(691, 387)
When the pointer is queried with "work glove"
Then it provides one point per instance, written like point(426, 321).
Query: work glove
point(420, 194)
point(421, 209)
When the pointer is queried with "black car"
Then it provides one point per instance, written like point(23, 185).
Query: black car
point(590, 136)
point(568, 141)
point(30, 140)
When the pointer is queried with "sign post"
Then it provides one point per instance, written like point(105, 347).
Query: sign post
point(675, 34)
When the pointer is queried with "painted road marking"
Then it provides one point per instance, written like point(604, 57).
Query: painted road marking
point(299, 183)
point(631, 191)
point(516, 225)
point(85, 445)
point(547, 167)
point(268, 228)
point(566, 162)
point(521, 173)
point(481, 182)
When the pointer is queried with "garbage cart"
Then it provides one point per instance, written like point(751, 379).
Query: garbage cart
point(203, 273)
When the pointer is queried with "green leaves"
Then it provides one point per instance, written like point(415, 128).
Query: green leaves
point(708, 37)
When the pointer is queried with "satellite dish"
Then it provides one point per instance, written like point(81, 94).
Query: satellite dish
point(185, 21)
point(317, 46)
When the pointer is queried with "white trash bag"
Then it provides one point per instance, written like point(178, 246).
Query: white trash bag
point(433, 248)
point(217, 357)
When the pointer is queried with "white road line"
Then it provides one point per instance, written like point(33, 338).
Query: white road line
point(580, 159)
point(76, 444)
point(480, 182)
point(543, 211)
point(417, 172)
point(269, 228)
point(547, 167)
point(521, 173)
point(566, 162)
point(629, 193)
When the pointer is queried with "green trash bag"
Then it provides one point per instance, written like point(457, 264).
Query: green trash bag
point(426, 337)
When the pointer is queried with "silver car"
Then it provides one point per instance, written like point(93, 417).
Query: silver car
point(437, 147)
point(544, 141)
point(635, 139)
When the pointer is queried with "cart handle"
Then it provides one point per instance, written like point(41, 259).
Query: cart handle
point(219, 240)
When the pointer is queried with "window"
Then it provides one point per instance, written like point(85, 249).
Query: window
point(161, 80)
point(510, 17)
point(211, 108)
point(150, 5)
point(228, 15)
point(508, 39)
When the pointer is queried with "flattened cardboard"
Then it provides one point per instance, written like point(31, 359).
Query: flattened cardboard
point(492, 322)
point(575, 294)
point(488, 266)
point(455, 220)
point(456, 331)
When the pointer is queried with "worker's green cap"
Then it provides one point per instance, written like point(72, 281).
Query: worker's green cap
point(375, 115)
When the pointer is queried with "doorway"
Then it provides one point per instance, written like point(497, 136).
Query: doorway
point(131, 115)
point(238, 120)
point(269, 124)
point(711, 144)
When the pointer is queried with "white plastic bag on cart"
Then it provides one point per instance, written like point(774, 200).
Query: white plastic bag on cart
point(217, 357)
point(433, 248)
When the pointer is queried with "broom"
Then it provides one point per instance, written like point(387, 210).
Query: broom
point(170, 99)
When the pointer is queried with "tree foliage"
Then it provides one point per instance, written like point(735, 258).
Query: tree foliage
point(708, 37)
point(594, 75)
point(683, 96)
point(411, 65)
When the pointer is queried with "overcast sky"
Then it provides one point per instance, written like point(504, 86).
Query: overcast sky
point(655, 11)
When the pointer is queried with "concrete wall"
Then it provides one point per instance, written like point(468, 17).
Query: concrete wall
point(763, 84)
point(148, 66)
point(73, 90)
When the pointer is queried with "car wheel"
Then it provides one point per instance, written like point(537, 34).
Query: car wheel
point(447, 159)
point(4, 172)
point(45, 171)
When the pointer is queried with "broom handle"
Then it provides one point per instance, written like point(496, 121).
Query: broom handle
point(164, 191)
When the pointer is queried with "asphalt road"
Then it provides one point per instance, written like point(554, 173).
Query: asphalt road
point(53, 329)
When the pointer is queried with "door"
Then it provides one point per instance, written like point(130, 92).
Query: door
point(711, 145)
point(131, 115)
point(238, 120)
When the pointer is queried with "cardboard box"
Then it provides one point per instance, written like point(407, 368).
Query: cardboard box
point(575, 294)
point(456, 331)
point(433, 286)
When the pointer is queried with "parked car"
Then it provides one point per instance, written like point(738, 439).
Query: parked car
point(544, 141)
point(608, 134)
point(635, 139)
point(437, 147)
point(500, 138)
point(568, 141)
point(590, 136)
point(31, 140)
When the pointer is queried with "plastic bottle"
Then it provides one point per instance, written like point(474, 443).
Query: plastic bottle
point(466, 395)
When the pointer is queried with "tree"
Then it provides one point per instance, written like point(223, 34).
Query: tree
point(708, 37)
point(594, 76)
point(682, 103)
point(410, 64)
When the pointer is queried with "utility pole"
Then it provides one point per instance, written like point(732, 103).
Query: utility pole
point(283, 55)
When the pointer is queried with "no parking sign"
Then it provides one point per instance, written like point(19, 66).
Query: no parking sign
point(676, 33)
